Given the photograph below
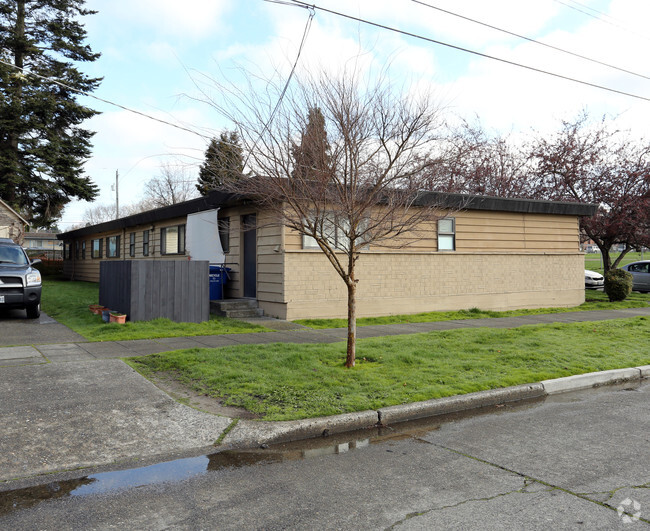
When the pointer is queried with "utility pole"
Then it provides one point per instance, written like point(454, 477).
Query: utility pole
point(117, 195)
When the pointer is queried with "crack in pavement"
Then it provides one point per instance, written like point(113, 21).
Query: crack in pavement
point(523, 490)
point(611, 493)
point(526, 477)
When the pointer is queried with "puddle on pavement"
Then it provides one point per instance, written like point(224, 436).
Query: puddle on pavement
point(186, 468)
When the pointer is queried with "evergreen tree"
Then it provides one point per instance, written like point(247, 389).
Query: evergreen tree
point(42, 145)
point(311, 157)
point(223, 163)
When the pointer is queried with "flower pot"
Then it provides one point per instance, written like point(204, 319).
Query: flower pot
point(106, 315)
point(96, 308)
point(119, 318)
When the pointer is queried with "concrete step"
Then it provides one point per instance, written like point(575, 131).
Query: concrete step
point(244, 314)
point(236, 308)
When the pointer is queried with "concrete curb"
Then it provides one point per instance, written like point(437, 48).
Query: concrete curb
point(249, 433)
point(592, 379)
point(253, 433)
point(453, 404)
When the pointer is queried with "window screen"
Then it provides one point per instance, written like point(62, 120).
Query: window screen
point(446, 234)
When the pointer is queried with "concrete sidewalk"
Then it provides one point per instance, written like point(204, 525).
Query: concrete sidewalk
point(89, 351)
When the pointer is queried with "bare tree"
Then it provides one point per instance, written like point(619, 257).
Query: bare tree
point(101, 213)
point(475, 162)
point(172, 186)
point(360, 186)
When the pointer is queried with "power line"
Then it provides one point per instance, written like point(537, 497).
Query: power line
point(556, 48)
point(89, 95)
point(293, 69)
point(473, 52)
point(599, 18)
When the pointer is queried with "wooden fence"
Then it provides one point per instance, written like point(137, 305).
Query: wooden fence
point(148, 289)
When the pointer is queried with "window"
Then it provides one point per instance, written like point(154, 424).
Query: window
point(77, 250)
point(335, 234)
point(328, 230)
point(145, 243)
point(446, 234)
point(96, 248)
point(172, 240)
point(224, 234)
point(83, 250)
point(67, 250)
point(639, 268)
point(132, 244)
point(113, 247)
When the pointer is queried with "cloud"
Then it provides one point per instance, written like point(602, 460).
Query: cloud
point(190, 19)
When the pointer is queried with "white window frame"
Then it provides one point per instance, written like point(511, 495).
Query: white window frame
point(446, 236)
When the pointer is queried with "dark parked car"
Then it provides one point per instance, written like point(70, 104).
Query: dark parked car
point(641, 273)
point(20, 282)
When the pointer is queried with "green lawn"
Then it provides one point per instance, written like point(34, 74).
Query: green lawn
point(67, 302)
point(594, 300)
point(289, 381)
point(593, 261)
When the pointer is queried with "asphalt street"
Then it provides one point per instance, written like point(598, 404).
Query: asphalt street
point(577, 460)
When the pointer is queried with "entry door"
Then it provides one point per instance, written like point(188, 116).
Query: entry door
point(249, 236)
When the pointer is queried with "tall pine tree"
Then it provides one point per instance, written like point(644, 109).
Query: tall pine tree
point(42, 144)
point(224, 163)
point(311, 157)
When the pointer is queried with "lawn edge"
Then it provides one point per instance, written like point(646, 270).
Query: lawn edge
point(251, 433)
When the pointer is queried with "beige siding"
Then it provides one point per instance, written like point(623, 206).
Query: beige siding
point(88, 269)
point(11, 226)
point(269, 264)
point(507, 231)
point(478, 230)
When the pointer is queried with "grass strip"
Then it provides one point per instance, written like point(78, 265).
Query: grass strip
point(290, 381)
point(68, 301)
point(594, 300)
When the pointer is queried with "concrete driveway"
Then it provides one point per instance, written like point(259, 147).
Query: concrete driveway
point(16, 329)
point(64, 415)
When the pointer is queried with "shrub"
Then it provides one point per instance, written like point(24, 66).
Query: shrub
point(618, 284)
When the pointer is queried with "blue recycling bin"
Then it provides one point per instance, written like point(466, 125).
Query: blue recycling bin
point(218, 278)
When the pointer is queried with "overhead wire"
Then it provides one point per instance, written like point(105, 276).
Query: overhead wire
point(540, 43)
point(305, 33)
point(108, 102)
point(619, 26)
point(300, 3)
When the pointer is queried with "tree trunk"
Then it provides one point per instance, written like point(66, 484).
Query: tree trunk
point(352, 323)
point(620, 256)
point(607, 260)
point(12, 179)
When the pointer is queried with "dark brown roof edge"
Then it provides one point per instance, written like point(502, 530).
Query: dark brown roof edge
point(214, 199)
point(503, 204)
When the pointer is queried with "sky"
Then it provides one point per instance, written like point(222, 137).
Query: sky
point(160, 58)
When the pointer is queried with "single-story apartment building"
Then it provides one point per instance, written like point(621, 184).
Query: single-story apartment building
point(493, 253)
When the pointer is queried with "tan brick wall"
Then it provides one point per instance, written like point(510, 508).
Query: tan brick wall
point(391, 283)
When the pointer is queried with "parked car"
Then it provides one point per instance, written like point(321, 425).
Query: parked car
point(20, 282)
point(641, 273)
point(593, 280)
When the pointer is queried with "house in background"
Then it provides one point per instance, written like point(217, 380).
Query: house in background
point(495, 253)
point(43, 245)
point(12, 224)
